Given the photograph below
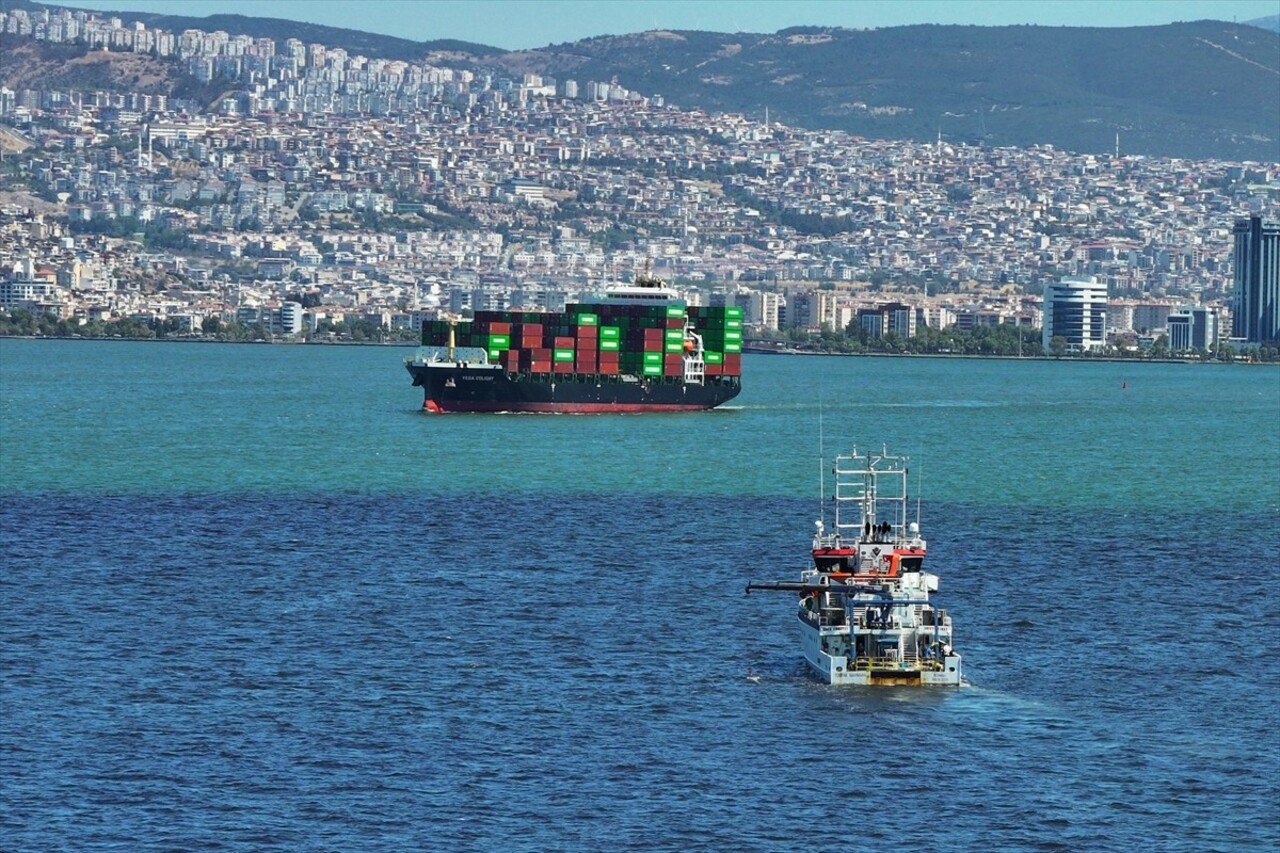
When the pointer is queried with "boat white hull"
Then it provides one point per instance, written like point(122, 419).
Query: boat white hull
point(837, 668)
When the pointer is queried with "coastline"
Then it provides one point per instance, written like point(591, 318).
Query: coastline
point(771, 352)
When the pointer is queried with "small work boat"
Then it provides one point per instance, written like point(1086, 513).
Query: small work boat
point(865, 614)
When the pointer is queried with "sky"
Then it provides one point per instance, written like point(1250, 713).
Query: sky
point(520, 24)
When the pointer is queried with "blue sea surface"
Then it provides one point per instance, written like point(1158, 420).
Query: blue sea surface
point(251, 598)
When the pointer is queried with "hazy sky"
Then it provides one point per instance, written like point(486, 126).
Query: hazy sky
point(515, 24)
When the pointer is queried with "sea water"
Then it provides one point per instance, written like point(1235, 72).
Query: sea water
point(252, 598)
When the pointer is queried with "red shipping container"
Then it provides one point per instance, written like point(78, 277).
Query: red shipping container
point(539, 367)
point(531, 342)
point(563, 342)
point(675, 322)
point(562, 367)
point(499, 328)
point(673, 359)
point(609, 368)
point(588, 333)
point(511, 360)
point(733, 364)
point(713, 370)
point(584, 365)
point(531, 329)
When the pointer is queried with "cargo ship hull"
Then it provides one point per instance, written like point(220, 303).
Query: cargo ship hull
point(450, 387)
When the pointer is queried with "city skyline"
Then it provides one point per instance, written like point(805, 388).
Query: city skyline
point(517, 24)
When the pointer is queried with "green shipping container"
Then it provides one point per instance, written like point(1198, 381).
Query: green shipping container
point(610, 346)
point(610, 333)
point(653, 370)
point(499, 342)
point(730, 346)
point(713, 358)
point(653, 358)
point(733, 324)
point(733, 312)
point(495, 353)
point(675, 310)
point(588, 320)
point(675, 334)
point(562, 355)
point(675, 347)
point(733, 336)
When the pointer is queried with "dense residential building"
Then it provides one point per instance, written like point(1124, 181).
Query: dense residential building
point(389, 190)
point(811, 309)
point(1075, 309)
point(1256, 318)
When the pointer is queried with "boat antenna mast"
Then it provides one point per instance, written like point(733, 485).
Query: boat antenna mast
point(919, 492)
point(822, 465)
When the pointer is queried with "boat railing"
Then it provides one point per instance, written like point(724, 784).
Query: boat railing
point(869, 663)
point(828, 618)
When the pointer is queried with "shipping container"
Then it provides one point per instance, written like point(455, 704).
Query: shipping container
point(562, 354)
point(588, 320)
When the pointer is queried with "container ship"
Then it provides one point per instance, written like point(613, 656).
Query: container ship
point(639, 348)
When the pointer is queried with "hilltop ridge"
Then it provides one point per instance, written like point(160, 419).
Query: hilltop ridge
point(1197, 89)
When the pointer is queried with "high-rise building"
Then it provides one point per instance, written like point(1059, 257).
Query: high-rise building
point(1193, 328)
point(1075, 308)
point(1256, 311)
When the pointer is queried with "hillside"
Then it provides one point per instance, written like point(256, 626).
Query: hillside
point(1203, 89)
point(1200, 89)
